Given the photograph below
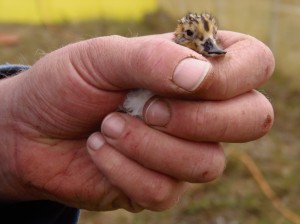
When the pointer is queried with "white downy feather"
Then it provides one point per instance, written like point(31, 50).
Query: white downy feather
point(135, 102)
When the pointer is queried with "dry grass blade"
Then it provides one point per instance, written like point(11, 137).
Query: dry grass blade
point(265, 187)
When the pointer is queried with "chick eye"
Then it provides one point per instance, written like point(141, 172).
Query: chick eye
point(189, 33)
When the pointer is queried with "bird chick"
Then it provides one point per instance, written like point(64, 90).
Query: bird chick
point(199, 33)
point(195, 31)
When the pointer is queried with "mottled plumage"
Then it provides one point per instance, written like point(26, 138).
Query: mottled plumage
point(199, 33)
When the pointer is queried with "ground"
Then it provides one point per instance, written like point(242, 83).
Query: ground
point(235, 197)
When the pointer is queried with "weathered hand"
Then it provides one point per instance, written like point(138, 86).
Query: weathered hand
point(48, 112)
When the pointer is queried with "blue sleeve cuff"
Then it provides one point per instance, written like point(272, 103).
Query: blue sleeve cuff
point(11, 69)
point(38, 212)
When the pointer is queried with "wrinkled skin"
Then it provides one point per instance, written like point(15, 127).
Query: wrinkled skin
point(51, 145)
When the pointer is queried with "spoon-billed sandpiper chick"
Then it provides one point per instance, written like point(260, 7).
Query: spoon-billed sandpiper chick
point(199, 33)
point(195, 31)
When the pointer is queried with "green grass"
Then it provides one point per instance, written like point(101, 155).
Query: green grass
point(235, 197)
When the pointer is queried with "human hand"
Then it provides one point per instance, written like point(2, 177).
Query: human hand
point(53, 107)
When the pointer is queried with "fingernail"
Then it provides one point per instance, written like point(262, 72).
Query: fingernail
point(190, 73)
point(112, 126)
point(95, 141)
point(157, 113)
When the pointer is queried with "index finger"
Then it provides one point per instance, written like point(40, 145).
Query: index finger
point(247, 65)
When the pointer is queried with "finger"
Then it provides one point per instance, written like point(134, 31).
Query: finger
point(181, 159)
point(247, 65)
point(144, 187)
point(234, 120)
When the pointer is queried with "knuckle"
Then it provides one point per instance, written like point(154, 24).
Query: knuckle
point(148, 54)
point(267, 115)
point(159, 195)
point(145, 54)
point(136, 141)
point(219, 160)
point(202, 115)
point(133, 207)
point(267, 123)
point(110, 39)
point(261, 117)
point(211, 168)
point(265, 57)
point(269, 61)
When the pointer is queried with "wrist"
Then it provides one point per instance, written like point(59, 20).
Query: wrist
point(11, 187)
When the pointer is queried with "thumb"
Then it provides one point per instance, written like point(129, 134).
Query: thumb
point(151, 62)
point(74, 87)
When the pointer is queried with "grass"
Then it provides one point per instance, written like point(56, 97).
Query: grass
point(235, 197)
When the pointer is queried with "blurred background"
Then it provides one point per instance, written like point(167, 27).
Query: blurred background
point(31, 28)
